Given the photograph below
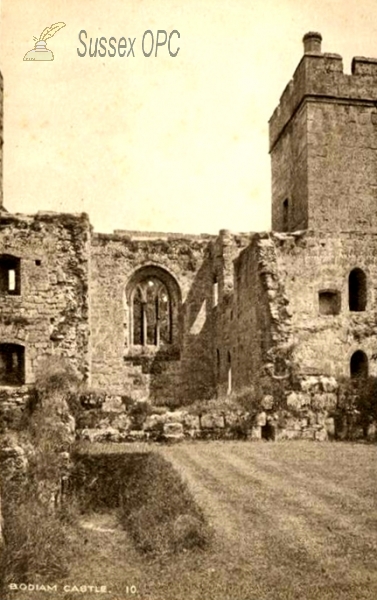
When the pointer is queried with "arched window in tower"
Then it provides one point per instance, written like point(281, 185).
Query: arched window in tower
point(357, 290)
point(151, 313)
point(359, 365)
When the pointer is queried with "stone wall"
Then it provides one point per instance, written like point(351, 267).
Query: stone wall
point(342, 175)
point(49, 314)
point(289, 169)
point(225, 251)
point(183, 371)
point(14, 403)
point(253, 322)
point(310, 262)
point(308, 412)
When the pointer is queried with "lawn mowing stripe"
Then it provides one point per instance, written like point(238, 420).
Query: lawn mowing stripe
point(291, 527)
point(220, 484)
point(315, 475)
point(313, 509)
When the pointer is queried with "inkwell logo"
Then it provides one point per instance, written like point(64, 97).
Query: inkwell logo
point(40, 51)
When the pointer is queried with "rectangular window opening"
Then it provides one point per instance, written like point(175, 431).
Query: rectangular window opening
point(329, 302)
point(10, 274)
point(12, 364)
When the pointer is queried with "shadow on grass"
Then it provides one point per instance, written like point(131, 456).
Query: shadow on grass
point(153, 503)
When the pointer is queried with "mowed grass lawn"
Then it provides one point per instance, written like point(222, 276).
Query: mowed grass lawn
point(291, 520)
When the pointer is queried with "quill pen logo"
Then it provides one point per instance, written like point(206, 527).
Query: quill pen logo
point(40, 51)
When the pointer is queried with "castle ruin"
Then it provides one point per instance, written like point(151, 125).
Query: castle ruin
point(162, 317)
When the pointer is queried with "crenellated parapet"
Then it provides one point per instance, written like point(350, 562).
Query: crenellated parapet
point(320, 76)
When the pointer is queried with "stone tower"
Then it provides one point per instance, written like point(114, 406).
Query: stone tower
point(1, 140)
point(323, 145)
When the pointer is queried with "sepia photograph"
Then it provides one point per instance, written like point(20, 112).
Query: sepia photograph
point(188, 300)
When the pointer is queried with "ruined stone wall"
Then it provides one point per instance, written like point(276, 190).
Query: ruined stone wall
point(261, 321)
point(50, 314)
point(311, 262)
point(181, 372)
point(253, 336)
point(225, 251)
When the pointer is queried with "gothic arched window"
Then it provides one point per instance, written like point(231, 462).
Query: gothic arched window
point(153, 304)
point(151, 313)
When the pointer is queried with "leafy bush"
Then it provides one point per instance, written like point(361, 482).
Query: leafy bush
point(357, 405)
point(138, 412)
point(56, 373)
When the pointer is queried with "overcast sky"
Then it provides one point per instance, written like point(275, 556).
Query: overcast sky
point(165, 144)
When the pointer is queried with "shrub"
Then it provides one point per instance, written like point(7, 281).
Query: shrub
point(56, 374)
point(357, 405)
point(138, 413)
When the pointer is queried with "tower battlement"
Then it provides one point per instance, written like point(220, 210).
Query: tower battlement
point(323, 145)
point(321, 76)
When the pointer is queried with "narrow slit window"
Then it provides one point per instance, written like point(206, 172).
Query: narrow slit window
point(11, 280)
point(215, 293)
point(229, 390)
point(286, 215)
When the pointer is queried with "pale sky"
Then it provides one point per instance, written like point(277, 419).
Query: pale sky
point(163, 144)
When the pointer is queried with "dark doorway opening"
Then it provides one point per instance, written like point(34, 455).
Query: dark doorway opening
point(12, 364)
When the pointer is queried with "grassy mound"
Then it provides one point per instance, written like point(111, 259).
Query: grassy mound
point(154, 504)
point(159, 511)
